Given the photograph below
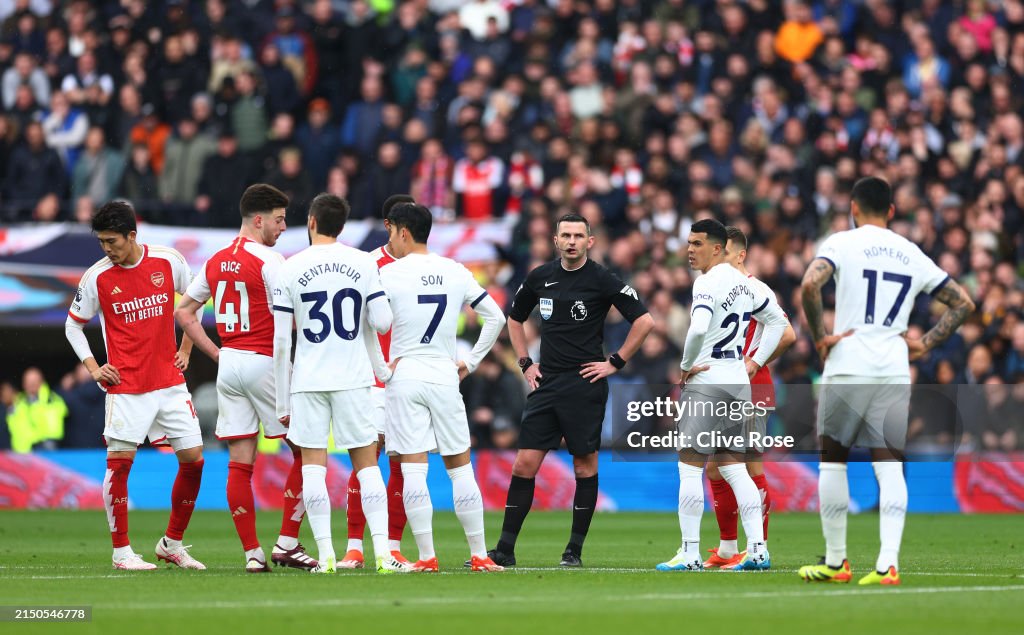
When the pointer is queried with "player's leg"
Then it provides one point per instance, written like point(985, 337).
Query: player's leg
point(176, 417)
point(396, 483)
point(308, 430)
point(584, 504)
point(539, 432)
point(410, 436)
point(727, 553)
point(755, 467)
point(691, 508)
point(580, 416)
point(288, 551)
point(242, 502)
point(733, 469)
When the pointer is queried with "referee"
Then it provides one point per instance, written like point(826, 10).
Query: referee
point(568, 386)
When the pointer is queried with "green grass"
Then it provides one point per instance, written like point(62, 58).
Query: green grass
point(960, 573)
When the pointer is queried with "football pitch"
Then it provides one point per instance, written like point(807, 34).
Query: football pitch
point(960, 574)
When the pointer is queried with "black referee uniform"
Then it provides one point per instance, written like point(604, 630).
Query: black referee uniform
point(573, 306)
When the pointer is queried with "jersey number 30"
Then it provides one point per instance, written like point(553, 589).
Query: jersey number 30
point(319, 299)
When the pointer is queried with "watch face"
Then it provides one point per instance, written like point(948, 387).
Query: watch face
point(524, 362)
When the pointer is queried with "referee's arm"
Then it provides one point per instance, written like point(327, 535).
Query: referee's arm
point(522, 305)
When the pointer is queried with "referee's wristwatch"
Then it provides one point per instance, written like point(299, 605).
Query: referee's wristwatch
point(524, 363)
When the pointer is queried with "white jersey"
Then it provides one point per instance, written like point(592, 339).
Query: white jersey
point(328, 288)
point(878, 276)
point(427, 292)
point(732, 300)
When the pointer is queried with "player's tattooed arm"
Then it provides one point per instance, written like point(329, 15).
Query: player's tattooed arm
point(960, 308)
point(817, 275)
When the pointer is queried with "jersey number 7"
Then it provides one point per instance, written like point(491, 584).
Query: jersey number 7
point(441, 300)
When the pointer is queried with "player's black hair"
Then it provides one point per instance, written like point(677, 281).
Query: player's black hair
point(873, 196)
point(573, 218)
point(331, 213)
point(736, 235)
point(416, 219)
point(261, 198)
point(715, 230)
point(115, 216)
point(393, 200)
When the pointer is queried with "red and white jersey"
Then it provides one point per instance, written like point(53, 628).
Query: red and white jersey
point(762, 387)
point(381, 256)
point(476, 182)
point(136, 309)
point(241, 277)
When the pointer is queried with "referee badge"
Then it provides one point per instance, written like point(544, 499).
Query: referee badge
point(547, 306)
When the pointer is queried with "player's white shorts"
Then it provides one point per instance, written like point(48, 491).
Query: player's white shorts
point(346, 413)
point(870, 412)
point(422, 417)
point(245, 396)
point(714, 418)
point(377, 396)
point(163, 415)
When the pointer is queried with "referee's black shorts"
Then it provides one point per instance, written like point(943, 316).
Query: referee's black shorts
point(564, 405)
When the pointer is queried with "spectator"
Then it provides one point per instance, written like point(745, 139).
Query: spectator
point(475, 15)
point(179, 76)
point(152, 133)
point(139, 183)
point(363, 118)
point(35, 172)
point(25, 71)
point(319, 141)
point(88, 88)
point(387, 175)
point(225, 176)
point(248, 114)
point(65, 128)
point(98, 171)
point(185, 155)
point(282, 93)
point(799, 36)
point(36, 419)
point(85, 400)
point(474, 181)
point(494, 403)
point(296, 49)
point(290, 177)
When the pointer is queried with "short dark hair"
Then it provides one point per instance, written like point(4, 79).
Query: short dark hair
point(261, 198)
point(572, 218)
point(714, 229)
point(416, 219)
point(115, 216)
point(331, 213)
point(873, 195)
point(736, 235)
point(393, 200)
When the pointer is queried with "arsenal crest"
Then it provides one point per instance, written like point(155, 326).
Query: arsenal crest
point(157, 279)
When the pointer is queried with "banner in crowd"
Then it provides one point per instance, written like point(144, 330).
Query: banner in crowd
point(40, 265)
point(71, 479)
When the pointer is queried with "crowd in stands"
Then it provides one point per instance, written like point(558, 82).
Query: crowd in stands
point(642, 115)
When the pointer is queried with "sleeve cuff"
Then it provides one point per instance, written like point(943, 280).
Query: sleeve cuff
point(701, 306)
point(283, 309)
point(939, 286)
point(77, 319)
point(760, 308)
point(829, 261)
point(478, 300)
point(373, 296)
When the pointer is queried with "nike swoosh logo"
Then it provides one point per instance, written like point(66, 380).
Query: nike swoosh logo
point(581, 508)
point(550, 284)
point(511, 506)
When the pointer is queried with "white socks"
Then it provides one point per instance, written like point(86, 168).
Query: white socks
point(318, 508)
point(892, 512)
point(123, 553)
point(374, 496)
point(469, 507)
point(691, 506)
point(418, 508)
point(834, 502)
point(748, 503)
point(727, 548)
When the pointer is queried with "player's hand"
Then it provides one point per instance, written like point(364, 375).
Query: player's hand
point(463, 370)
point(825, 344)
point(531, 375)
point(393, 363)
point(181, 360)
point(915, 348)
point(688, 374)
point(752, 367)
point(597, 370)
point(285, 420)
point(106, 374)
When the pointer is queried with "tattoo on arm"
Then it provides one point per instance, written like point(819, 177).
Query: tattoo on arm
point(819, 273)
point(960, 308)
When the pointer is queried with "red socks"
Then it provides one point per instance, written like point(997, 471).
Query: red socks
point(354, 514)
point(115, 499)
point(242, 503)
point(726, 509)
point(396, 506)
point(183, 497)
point(293, 507)
point(766, 499)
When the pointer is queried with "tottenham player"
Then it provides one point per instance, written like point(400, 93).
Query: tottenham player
point(716, 392)
point(568, 398)
point(865, 394)
point(331, 295)
point(132, 289)
point(240, 278)
point(727, 553)
point(423, 407)
point(353, 559)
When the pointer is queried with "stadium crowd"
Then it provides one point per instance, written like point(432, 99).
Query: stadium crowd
point(644, 116)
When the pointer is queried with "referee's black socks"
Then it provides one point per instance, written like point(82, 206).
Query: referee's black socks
point(583, 505)
point(517, 506)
